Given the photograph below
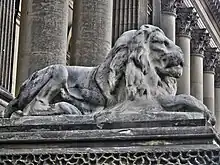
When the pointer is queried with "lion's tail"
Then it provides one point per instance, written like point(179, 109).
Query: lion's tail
point(28, 90)
point(11, 107)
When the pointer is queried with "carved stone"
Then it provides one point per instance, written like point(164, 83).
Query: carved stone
point(210, 60)
point(185, 21)
point(124, 111)
point(170, 6)
point(138, 74)
point(200, 40)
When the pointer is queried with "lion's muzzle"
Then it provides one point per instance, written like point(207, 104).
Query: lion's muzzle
point(173, 66)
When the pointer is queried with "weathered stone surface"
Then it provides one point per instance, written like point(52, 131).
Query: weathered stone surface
point(170, 6)
point(211, 59)
point(92, 32)
point(200, 40)
point(43, 36)
point(185, 21)
point(139, 74)
point(76, 142)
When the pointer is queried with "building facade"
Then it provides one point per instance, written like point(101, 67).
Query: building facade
point(38, 33)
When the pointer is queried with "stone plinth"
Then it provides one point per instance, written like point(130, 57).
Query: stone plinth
point(79, 139)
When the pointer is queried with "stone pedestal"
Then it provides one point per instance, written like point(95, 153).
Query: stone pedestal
point(43, 36)
point(200, 39)
point(185, 20)
point(209, 64)
point(79, 140)
point(92, 32)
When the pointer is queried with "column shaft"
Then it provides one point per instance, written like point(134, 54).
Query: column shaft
point(217, 108)
point(92, 31)
point(200, 39)
point(7, 25)
point(127, 15)
point(169, 28)
point(168, 17)
point(208, 91)
point(209, 64)
point(43, 36)
point(196, 76)
point(184, 82)
point(185, 21)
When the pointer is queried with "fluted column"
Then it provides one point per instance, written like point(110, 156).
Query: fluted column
point(217, 96)
point(43, 36)
point(186, 19)
point(127, 15)
point(200, 39)
point(92, 31)
point(7, 25)
point(209, 64)
point(168, 17)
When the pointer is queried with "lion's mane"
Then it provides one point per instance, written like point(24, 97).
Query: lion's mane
point(127, 72)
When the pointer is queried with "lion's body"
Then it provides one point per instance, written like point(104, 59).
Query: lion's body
point(143, 64)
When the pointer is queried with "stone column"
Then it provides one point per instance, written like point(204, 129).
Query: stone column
point(127, 15)
point(209, 63)
point(200, 39)
point(168, 17)
point(156, 14)
point(217, 97)
point(7, 25)
point(43, 36)
point(185, 20)
point(92, 31)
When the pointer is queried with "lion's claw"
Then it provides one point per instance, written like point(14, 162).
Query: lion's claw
point(211, 119)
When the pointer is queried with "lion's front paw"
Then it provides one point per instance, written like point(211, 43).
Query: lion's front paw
point(210, 118)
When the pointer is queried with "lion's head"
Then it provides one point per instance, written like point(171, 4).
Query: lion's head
point(142, 62)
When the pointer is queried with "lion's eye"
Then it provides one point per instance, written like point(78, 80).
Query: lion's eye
point(166, 43)
point(157, 41)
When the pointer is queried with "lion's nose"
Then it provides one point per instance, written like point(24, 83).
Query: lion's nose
point(175, 59)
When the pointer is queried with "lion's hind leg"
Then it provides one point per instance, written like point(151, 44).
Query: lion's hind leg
point(41, 102)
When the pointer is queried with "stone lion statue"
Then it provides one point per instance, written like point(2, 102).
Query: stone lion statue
point(142, 65)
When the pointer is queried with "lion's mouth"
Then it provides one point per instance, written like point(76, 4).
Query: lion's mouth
point(171, 71)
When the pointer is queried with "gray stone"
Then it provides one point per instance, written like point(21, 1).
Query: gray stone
point(43, 36)
point(92, 32)
point(139, 74)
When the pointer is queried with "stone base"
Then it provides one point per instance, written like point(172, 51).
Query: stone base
point(80, 140)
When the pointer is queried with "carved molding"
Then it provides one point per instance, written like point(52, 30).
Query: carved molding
point(170, 5)
point(200, 40)
point(211, 57)
point(185, 21)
